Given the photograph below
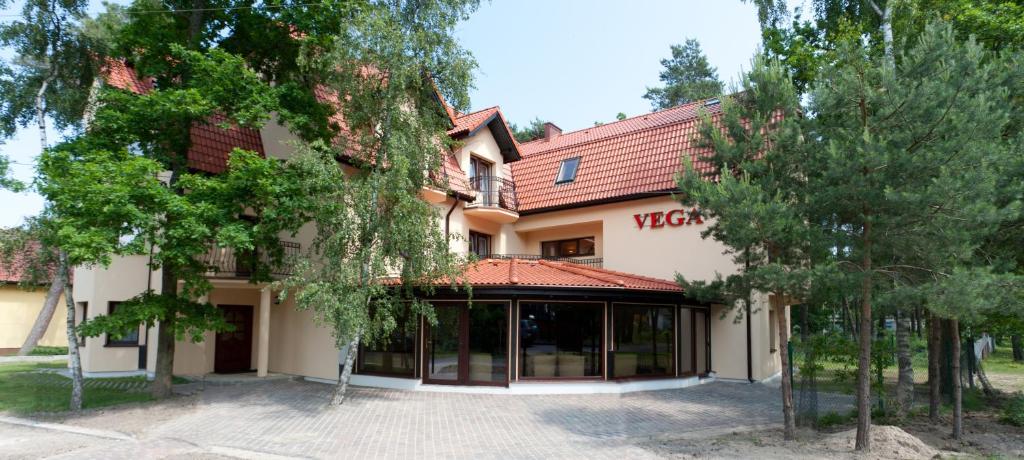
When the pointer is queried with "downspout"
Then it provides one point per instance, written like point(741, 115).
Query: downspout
point(750, 346)
point(448, 217)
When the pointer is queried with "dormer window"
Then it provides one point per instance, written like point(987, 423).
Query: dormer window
point(567, 170)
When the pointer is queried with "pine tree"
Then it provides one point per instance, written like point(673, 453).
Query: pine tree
point(687, 77)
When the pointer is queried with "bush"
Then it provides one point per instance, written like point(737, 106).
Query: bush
point(49, 351)
point(1013, 412)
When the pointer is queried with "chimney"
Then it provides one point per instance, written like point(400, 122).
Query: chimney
point(551, 131)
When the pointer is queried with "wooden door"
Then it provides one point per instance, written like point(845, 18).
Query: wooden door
point(233, 352)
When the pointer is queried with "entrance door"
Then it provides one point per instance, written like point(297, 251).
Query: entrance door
point(233, 350)
point(468, 346)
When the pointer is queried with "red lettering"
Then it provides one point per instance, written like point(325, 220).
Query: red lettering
point(656, 219)
point(695, 217)
point(641, 219)
point(675, 222)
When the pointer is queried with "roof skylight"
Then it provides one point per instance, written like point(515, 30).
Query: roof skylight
point(567, 170)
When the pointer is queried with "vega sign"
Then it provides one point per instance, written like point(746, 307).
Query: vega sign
point(673, 218)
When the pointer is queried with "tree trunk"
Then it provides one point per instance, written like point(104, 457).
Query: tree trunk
point(934, 375)
point(789, 416)
point(958, 415)
point(346, 371)
point(45, 316)
point(1018, 347)
point(74, 358)
point(905, 382)
point(161, 386)
point(863, 442)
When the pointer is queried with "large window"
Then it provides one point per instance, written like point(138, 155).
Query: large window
point(560, 339)
point(568, 248)
point(131, 339)
point(644, 337)
point(394, 356)
point(480, 244)
point(468, 345)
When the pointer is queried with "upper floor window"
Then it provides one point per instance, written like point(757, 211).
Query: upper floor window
point(480, 244)
point(567, 170)
point(568, 248)
point(479, 167)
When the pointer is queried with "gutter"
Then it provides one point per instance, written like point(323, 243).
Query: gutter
point(448, 218)
point(750, 351)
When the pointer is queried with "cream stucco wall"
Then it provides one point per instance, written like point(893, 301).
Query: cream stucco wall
point(298, 346)
point(18, 311)
point(125, 278)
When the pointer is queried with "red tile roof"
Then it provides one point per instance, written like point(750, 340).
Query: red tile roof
point(467, 123)
point(545, 273)
point(636, 156)
point(211, 144)
point(15, 268)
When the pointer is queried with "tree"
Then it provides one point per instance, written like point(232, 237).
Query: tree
point(752, 197)
point(687, 77)
point(904, 165)
point(48, 79)
point(532, 131)
point(107, 200)
point(377, 243)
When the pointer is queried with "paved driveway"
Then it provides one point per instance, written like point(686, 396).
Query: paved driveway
point(290, 418)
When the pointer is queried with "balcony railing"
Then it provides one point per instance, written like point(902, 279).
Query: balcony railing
point(596, 262)
point(496, 192)
point(227, 262)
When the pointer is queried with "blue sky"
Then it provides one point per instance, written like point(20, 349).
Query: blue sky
point(571, 62)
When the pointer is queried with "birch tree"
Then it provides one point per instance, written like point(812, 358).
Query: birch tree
point(377, 242)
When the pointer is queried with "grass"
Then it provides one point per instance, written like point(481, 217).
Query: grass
point(28, 388)
point(48, 351)
point(1001, 362)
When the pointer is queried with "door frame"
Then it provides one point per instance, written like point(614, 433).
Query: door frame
point(249, 336)
point(463, 355)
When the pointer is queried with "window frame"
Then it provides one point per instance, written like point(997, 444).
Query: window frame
point(473, 235)
point(575, 170)
point(85, 317)
point(120, 343)
point(558, 245)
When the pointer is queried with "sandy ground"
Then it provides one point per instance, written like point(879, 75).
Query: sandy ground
point(887, 443)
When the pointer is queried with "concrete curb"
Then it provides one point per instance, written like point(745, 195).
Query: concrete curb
point(33, 359)
point(108, 434)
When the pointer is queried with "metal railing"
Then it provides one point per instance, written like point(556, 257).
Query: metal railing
point(596, 262)
point(493, 191)
point(227, 262)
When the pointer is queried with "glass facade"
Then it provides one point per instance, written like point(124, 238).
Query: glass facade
point(644, 340)
point(394, 356)
point(469, 345)
point(560, 339)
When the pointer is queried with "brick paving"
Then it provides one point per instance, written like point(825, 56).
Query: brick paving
point(291, 419)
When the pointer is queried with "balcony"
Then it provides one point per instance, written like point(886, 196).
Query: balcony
point(495, 199)
point(229, 263)
point(595, 262)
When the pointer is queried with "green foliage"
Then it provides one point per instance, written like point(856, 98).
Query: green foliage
point(193, 318)
point(687, 77)
point(48, 351)
point(1013, 411)
point(48, 47)
point(532, 131)
point(371, 224)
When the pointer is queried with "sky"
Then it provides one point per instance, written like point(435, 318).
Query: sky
point(571, 62)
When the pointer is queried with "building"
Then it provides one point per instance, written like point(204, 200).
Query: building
point(579, 238)
point(19, 307)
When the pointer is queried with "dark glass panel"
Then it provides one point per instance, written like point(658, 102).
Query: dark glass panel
point(488, 342)
point(700, 322)
point(644, 338)
point(587, 246)
point(443, 345)
point(686, 341)
point(559, 339)
point(394, 356)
